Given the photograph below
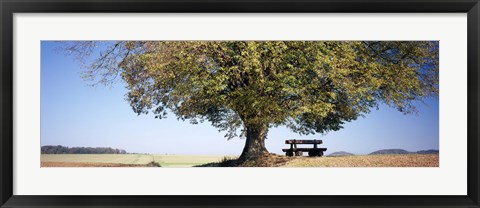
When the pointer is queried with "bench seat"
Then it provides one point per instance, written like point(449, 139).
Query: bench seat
point(304, 149)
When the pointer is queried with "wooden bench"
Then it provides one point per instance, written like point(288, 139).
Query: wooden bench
point(294, 150)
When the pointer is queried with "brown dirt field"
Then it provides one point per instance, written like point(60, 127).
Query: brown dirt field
point(400, 160)
point(84, 164)
point(274, 160)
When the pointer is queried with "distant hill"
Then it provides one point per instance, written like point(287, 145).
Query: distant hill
point(431, 151)
point(58, 149)
point(389, 152)
point(340, 154)
point(401, 151)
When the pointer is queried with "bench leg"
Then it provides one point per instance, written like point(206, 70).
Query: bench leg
point(320, 153)
point(289, 153)
point(298, 153)
point(313, 153)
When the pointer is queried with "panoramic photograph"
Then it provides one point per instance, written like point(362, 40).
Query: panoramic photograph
point(189, 104)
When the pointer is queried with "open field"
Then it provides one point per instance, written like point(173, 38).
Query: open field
point(135, 159)
point(89, 164)
point(145, 160)
point(124, 160)
point(400, 160)
point(185, 160)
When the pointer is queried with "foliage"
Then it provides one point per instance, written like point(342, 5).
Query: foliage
point(308, 86)
point(50, 149)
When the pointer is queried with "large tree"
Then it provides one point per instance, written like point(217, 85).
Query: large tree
point(246, 87)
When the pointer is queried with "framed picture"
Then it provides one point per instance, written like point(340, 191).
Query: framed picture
point(239, 104)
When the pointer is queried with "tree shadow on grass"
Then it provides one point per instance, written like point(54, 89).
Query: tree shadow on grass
point(267, 160)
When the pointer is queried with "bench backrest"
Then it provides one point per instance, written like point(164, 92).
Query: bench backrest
point(294, 141)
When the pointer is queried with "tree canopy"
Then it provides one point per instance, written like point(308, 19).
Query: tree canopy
point(247, 87)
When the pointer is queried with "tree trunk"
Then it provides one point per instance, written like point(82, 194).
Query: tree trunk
point(255, 143)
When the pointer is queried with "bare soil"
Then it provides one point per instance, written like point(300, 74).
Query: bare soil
point(397, 160)
point(88, 164)
point(274, 160)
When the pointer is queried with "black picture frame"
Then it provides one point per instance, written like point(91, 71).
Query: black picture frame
point(10, 7)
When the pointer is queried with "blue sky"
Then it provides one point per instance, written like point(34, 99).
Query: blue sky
point(76, 114)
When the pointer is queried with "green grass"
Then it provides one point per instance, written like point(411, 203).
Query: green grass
point(185, 160)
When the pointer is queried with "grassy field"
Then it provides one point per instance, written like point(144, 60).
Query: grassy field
point(124, 160)
point(185, 160)
point(146, 160)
